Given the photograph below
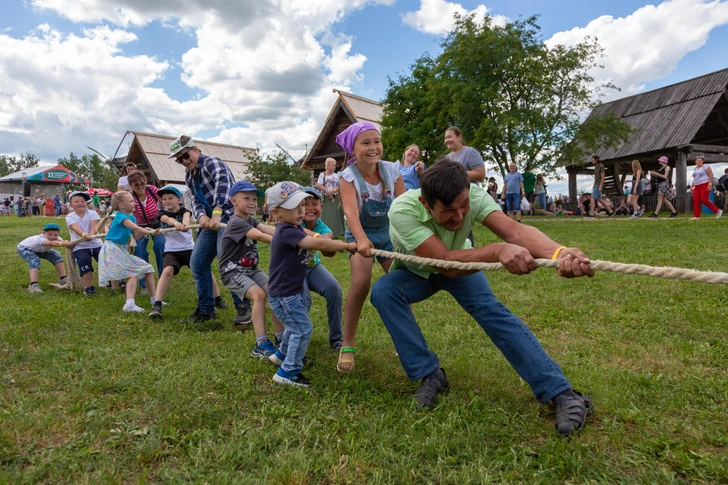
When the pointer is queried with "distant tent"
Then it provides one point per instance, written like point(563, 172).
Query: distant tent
point(57, 174)
point(100, 192)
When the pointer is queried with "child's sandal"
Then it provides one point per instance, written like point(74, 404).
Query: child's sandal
point(346, 365)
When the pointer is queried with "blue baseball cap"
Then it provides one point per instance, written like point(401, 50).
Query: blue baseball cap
point(313, 191)
point(245, 186)
point(169, 190)
point(51, 227)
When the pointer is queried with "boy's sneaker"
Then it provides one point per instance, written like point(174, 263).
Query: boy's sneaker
point(64, 280)
point(336, 344)
point(277, 340)
point(612, 214)
point(640, 212)
point(283, 377)
point(653, 216)
point(720, 213)
point(277, 357)
point(264, 350)
point(133, 309)
point(34, 288)
point(90, 291)
point(634, 216)
point(244, 316)
point(673, 215)
point(220, 303)
point(156, 311)
point(431, 386)
point(198, 317)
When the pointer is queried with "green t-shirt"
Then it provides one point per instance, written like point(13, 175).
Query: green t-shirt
point(529, 179)
point(410, 225)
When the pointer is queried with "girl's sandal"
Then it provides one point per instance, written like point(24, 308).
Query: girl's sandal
point(346, 365)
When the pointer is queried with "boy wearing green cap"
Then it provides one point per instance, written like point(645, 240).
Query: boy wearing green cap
point(33, 248)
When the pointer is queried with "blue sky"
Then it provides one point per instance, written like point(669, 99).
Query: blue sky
point(83, 72)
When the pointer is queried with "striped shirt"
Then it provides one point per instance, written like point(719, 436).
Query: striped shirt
point(146, 211)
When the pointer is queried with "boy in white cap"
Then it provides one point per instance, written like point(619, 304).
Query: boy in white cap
point(82, 224)
point(287, 269)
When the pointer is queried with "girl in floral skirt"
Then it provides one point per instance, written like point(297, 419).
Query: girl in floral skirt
point(115, 262)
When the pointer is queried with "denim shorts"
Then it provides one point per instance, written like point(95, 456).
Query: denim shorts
point(33, 258)
point(595, 193)
point(513, 202)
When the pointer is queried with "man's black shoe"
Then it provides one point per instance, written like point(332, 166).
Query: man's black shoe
point(431, 386)
point(572, 408)
point(220, 303)
point(198, 317)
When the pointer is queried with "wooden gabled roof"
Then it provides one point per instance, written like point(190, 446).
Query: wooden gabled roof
point(347, 110)
point(150, 151)
point(691, 112)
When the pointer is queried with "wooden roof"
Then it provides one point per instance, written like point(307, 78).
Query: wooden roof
point(347, 110)
point(149, 152)
point(691, 112)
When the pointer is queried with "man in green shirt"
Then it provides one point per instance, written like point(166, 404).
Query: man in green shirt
point(529, 181)
point(434, 222)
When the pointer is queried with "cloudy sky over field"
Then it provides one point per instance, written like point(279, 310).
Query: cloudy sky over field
point(257, 73)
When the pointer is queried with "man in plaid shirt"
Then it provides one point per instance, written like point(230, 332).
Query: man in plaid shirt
point(209, 181)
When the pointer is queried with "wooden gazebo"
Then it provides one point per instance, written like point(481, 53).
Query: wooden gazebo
point(347, 110)
point(149, 152)
point(680, 121)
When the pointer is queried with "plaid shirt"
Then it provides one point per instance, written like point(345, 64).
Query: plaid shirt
point(210, 184)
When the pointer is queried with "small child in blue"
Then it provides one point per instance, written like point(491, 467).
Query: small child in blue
point(287, 269)
point(33, 248)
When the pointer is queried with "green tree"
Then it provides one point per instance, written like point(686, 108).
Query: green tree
point(514, 98)
point(91, 166)
point(275, 167)
point(12, 164)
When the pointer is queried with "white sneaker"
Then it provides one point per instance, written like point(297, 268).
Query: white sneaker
point(695, 218)
point(720, 213)
point(34, 288)
point(133, 309)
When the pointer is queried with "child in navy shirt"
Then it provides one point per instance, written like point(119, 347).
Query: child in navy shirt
point(288, 266)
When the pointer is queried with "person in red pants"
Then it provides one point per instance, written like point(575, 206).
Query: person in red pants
point(701, 187)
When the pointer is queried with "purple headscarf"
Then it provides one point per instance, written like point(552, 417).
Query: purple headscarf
point(347, 137)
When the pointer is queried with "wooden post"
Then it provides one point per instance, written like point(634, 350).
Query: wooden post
point(573, 196)
point(681, 186)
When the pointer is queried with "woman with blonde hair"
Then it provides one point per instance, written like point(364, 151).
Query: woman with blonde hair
point(634, 194)
point(411, 167)
point(333, 212)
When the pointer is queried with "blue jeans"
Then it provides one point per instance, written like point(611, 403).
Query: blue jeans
point(319, 280)
point(292, 311)
point(393, 292)
point(140, 251)
point(207, 247)
point(542, 201)
point(513, 202)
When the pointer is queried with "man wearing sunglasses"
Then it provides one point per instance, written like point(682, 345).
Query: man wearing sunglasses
point(209, 181)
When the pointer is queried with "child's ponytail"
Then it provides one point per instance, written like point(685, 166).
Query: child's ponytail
point(117, 199)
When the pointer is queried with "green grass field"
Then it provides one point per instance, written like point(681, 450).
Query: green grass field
point(92, 395)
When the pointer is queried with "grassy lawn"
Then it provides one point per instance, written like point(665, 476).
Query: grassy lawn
point(89, 394)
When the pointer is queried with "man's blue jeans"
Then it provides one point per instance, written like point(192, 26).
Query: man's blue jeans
point(140, 251)
point(292, 311)
point(319, 280)
point(393, 292)
point(207, 247)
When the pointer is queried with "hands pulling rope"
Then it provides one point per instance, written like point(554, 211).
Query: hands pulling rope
point(637, 269)
point(161, 231)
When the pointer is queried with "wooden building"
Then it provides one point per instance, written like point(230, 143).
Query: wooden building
point(680, 122)
point(347, 110)
point(149, 152)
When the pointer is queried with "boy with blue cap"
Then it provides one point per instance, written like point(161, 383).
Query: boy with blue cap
point(239, 269)
point(33, 248)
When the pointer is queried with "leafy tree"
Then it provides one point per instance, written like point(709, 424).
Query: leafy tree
point(92, 167)
point(275, 167)
point(514, 98)
point(11, 164)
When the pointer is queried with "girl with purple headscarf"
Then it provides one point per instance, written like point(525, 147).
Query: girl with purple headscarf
point(368, 186)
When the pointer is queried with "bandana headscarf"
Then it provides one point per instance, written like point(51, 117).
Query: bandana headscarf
point(347, 137)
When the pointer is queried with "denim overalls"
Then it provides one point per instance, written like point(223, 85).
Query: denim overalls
point(373, 215)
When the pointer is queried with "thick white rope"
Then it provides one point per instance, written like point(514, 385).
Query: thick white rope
point(669, 273)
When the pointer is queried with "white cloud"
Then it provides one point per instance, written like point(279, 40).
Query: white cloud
point(267, 66)
point(436, 16)
point(648, 44)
